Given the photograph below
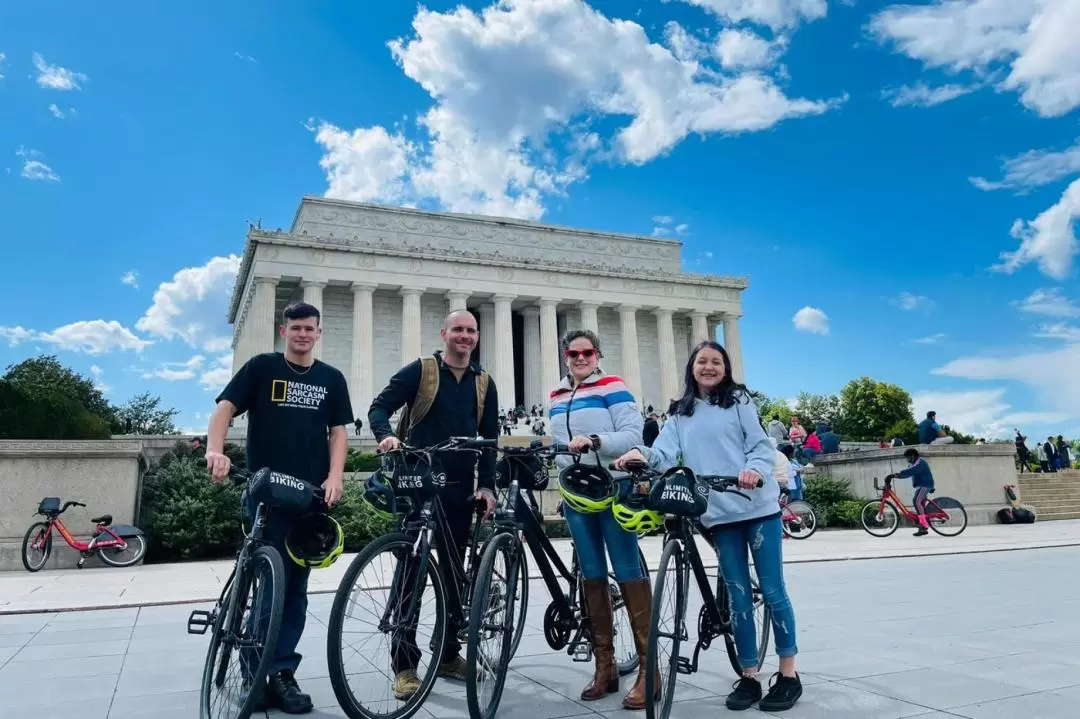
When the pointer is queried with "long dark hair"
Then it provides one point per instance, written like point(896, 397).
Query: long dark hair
point(726, 394)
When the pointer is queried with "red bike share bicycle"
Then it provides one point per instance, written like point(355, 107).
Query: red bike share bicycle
point(120, 545)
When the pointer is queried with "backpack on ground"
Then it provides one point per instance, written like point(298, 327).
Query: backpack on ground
point(414, 412)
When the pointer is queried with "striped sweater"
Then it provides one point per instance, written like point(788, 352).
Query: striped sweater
point(600, 405)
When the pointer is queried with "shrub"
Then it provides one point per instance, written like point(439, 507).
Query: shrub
point(357, 519)
point(845, 514)
point(357, 461)
point(836, 505)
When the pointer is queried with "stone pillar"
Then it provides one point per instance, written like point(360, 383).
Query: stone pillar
point(362, 368)
point(263, 316)
point(549, 344)
point(631, 365)
point(457, 300)
point(700, 328)
point(410, 324)
point(313, 295)
point(504, 351)
point(733, 345)
point(669, 371)
point(487, 337)
point(588, 317)
point(535, 390)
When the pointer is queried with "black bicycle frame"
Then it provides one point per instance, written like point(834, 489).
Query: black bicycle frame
point(543, 551)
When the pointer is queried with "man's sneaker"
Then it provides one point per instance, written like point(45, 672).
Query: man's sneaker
point(746, 691)
point(922, 531)
point(453, 668)
point(783, 693)
point(406, 683)
point(284, 693)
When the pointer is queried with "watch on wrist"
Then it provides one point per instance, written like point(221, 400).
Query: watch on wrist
point(595, 439)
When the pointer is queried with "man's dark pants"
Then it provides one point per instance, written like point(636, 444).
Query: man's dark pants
point(458, 507)
point(294, 614)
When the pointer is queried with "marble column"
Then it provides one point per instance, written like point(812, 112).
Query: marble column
point(410, 324)
point(362, 368)
point(588, 317)
point(700, 328)
point(313, 295)
point(631, 364)
point(457, 301)
point(733, 345)
point(669, 370)
point(263, 316)
point(535, 391)
point(549, 344)
point(504, 351)
point(487, 337)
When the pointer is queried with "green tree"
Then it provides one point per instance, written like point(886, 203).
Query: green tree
point(958, 436)
point(814, 408)
point(143, 415)
point(905, 429)
point(42, 399)
point(871, 408)
point(767, 407)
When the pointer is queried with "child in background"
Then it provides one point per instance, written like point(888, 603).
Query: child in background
point(795, 483)
point(923, 482)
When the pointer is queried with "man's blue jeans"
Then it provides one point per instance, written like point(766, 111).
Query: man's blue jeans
point(591, 533)
point(734, 543)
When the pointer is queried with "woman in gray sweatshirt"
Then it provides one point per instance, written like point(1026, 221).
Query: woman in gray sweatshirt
point(715, 429)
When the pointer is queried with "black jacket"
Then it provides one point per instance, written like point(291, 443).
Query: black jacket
point(452, 414)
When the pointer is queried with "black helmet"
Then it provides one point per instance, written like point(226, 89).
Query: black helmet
point(315, 541)
point(379, 496)
point(530, 471)
point(587, 488)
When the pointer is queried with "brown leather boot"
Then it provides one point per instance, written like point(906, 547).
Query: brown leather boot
point(638, 597)
point(598, 603)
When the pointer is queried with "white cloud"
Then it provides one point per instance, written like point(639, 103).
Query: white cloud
point(516, 87)
point(684, 45)
point(1034, 168)
point(217, 376)
point(811, 319)
point(983, 413)
point(60, 113)
point(130, 278)
point(33, 168)
point(1031, 43)
point(55, 77)
point(191, 306)
point(661, 231)
point(1060, 331)
point(94, 337)
point(176, 371)
point(97, 373)
point(663, 219)
point(743, 49)
point(776, 14)
point(931, 339)
point(682, 229)
point(2, 56)
point(1049, 240)
point(1048, 301)
point(909, 302)
point(242, 56)
point(922, 95)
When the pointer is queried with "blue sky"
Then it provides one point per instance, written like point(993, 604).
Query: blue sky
point(868, 165)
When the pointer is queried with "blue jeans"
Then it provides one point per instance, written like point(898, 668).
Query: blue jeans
point(762, 538)
point(591, 533)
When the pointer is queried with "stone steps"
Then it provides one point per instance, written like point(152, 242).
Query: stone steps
point(1052, 496)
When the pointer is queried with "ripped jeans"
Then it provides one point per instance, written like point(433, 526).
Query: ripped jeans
point(734, 543)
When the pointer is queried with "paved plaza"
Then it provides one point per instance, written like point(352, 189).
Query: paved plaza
point(977, 635)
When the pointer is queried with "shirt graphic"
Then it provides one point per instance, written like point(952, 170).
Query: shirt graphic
point(297, 395)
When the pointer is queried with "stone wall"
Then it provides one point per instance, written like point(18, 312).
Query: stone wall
point(106, 475)
point(974, 474)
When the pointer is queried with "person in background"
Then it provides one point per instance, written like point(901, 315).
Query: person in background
point(797, 433)
point(930, 432)
point(1051, 462)
point(830, 441)
point(650, 430)
point(795, 482)
point(811, 448)
point(776, 429)
point(1064, 459)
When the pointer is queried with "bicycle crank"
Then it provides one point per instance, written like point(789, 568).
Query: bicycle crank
point(557, 626)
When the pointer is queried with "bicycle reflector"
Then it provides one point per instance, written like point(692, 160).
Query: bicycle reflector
point(315, 541)
point(530, 471)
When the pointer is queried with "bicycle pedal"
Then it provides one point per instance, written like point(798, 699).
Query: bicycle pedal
point(199, 621)
point(684, 666)
point(581, 652)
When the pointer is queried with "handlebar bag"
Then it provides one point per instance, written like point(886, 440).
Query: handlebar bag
point(281, 491)
point(49, 505)
point(680, 492)
point(414, 474)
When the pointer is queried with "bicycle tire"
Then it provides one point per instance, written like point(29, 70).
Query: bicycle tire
point(509, 544)
point(264, 557)
point(813, 524)
point(26, 545)
point(763, 634)
point(139, 554)
point(952, 504)
point(335, 663)
point(662, 709)
point(873, 506)
point(522, 600)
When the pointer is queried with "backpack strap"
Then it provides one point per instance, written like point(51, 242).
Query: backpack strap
point(482, 381)
point(414, 412)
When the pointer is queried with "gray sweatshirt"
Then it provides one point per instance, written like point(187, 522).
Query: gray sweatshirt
point(714, 440)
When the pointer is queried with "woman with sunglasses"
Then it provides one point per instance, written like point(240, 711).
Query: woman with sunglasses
point(595, 413)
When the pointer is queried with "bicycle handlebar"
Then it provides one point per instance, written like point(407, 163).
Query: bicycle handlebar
point(719, 482)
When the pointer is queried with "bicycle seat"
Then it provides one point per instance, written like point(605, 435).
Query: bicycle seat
point(103, 519)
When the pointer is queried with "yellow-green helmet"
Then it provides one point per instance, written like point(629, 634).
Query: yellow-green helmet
point(315, 541)
point(586, 488)
point(631, 514)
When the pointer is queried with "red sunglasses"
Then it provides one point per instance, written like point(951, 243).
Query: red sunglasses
point(574, 354)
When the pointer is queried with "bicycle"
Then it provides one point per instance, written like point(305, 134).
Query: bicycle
point(566, 625)
point(419, 528)
point(881, 517)
point(259, 569)
point(107, 541)
point(714, 618)
point(798, 520)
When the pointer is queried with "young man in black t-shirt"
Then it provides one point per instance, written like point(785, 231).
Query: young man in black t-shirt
point(297, 410)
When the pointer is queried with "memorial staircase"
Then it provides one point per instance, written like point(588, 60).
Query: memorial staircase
point(1054, 495)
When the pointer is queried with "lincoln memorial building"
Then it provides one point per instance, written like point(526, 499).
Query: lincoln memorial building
point(384, 279)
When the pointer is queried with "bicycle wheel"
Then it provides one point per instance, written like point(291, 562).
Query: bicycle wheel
point(388, 568)
point(799, 520)
point(672, 567)
point(130, 555)
point(491, 616)
point(946, 516)
point(762, 625)
point(251, 606)
point(36, 546)
point(521, 600)
point(879, 518)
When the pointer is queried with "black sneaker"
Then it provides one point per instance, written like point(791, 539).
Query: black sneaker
point(783, 693)
point(922, 531)
point(746, 691)
point(284, 693)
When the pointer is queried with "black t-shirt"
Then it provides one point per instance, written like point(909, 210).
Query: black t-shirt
point(290, 410)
